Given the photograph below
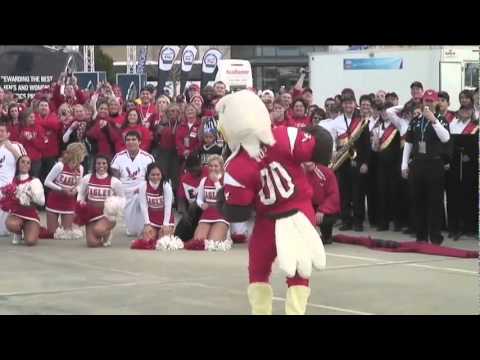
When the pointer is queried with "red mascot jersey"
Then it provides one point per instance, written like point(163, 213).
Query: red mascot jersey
point(275, 184)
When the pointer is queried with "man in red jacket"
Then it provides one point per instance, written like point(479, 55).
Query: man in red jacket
point(52, 127)
point(32, 137)
point(71, 95)
point(326, 197)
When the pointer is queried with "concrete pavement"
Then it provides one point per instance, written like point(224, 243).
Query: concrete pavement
point(66, 277)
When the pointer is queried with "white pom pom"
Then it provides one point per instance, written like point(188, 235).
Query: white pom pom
point(162, 243)
point(60, 234)
point(22, 192)
point(169, 243)
point(114, 206)
point(76, 233)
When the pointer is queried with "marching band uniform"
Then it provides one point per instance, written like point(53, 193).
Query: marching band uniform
point(388, 174)
point(350, 180)
point(462, 178)
point(405, 199)
point(372, 188)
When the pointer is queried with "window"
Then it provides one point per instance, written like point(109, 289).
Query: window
point(268, 50)
point(288, 51)
point(275, 76)
point(305, 50)
point(471, 75)
point(243, 52)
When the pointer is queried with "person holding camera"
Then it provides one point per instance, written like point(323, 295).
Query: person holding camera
point(67, 91)
point(425, 141)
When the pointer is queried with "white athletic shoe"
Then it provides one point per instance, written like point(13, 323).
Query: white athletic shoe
point(18, 239)
point(108, 242)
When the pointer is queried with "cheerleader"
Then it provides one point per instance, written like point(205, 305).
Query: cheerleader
point(156, 198)
point(96, 201)
point(63, 179)
point(211, 232)
point(23, 217)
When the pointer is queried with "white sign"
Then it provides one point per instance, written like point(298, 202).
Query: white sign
point(188, 57)
point(167, 57)
point(210, 60)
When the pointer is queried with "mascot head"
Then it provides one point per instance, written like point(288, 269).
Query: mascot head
point(244, 121)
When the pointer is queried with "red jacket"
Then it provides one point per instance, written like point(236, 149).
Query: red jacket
point(53, 128)
point(14, 131)
point(187, 138)
point(165, 135)
point(58, 99)
point(34, 140)
point(147, 113)
point(208, 110)
point(103, 137)
point(299, 122)
point(117, 120)
point(118, 136)
point(326, 197)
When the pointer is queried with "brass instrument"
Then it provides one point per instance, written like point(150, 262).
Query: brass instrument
point(347, 151)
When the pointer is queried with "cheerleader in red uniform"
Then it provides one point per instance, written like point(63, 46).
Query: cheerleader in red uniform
point(96, 192)
point(156, 199)
point(64, 179)
point(23, 215)
point(211, 232)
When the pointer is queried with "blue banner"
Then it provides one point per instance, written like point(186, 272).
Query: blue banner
point(393, 63)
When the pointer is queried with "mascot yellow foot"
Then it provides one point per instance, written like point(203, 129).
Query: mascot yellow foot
point(260, 296)
point(297, 298)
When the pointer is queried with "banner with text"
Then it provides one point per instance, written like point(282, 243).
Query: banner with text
point(188, 57)
point(25, 85)
point(166, 58)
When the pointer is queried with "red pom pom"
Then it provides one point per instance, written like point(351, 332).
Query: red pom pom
point(8, 201)
point(45, 234)
point(195, 245)
point(81, 214)
point(239, 238)
point(141, 244)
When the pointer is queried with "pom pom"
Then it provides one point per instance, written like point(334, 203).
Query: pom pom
point(141, 244)
point(61, 234)
point(22, 193)
point(76, 233)
point(45, 234)
point(8, 200)
point(169, 243)
point(195, 245)
point(81, 214)
point(215, 245)
point(239, 238)
point(114, 206)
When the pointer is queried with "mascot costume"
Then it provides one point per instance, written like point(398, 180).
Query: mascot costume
point(264, 174)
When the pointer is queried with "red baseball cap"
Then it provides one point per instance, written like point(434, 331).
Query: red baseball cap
point(431, 95)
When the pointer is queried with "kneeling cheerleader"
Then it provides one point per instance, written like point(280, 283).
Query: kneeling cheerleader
point(21, 198)
point(212, 229)
point(63, 181)
point(100, 203)
point(156, 199)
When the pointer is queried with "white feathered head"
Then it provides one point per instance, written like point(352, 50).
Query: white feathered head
point(244, 121)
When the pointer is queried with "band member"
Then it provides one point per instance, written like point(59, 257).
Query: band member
point(462, 177)
point(426, 137)
point(9, 153)
point(371, 114)
point(63, 180)
point(95, 189)
point(156, 200)
point(386, 144)
point(23, 217)
point(325, 199)
point(350, 130)
point(400, 116)
point(130, 166)
point(212, 227)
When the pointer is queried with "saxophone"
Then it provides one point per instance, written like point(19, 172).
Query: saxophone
point(347, 151)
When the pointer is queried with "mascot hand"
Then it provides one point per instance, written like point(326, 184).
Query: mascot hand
point(298, 246)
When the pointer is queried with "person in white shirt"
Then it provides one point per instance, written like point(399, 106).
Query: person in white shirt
point(130, 166)
point(9, 154)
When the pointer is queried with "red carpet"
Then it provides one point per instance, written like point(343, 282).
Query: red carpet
point(410, 246)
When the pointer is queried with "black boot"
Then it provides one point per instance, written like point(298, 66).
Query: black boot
point(346, 227)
